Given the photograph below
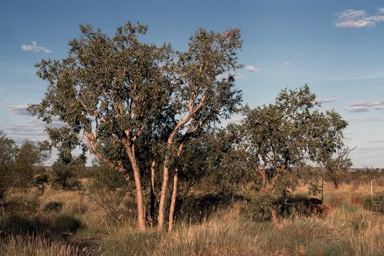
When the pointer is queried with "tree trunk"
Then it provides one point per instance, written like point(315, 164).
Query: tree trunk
point(163, 194)
point(264, 178)
point(139, 189)
point(139, 198)
point(153, 196)
point(274, 216)
point(173, 201)
point(174, 191)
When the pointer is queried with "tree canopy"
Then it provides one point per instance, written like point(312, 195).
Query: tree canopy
point(283, 138)
point(118, 93)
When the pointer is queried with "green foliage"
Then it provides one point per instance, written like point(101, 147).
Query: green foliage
point(337, 166)
point(222, 162)
point(65, 223)
point(65, 175)
point(67, 168)
point(109, 89)
point(8, 153)
point(281, 140)
point(17, 164)
point(24, 170)
point(41, 179)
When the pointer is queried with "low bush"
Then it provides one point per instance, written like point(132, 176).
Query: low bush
point(374, 203)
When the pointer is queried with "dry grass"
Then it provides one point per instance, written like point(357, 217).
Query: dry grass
point(347, 229)
point(36, 246)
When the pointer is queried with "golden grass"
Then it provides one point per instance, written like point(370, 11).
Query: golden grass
point(35, 246)
point(347, 229)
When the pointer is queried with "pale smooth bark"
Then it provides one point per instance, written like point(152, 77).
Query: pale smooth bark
point(163, 194)
point(173, 201)
point(139, 190)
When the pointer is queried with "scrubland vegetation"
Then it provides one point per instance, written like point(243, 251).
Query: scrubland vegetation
point(80, 222)
point(166, 179)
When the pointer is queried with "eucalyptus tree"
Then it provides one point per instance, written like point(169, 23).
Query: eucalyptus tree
point(291, 133)
point(206, 75)
point(17, 162)
point(8, 154)
point(107, 91)
point(28, 155)
point(124, 98)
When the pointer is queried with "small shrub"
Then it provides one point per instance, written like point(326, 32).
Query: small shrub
point(65, 223)
point(22, 225)
point(375, 203)
point(108, 190)
point(40, 180)
point(19, 205)
point(53, 207)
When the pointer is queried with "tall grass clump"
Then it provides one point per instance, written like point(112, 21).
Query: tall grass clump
point(17, 245)
point(216, 236)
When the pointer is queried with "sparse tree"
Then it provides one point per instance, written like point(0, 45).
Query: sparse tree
point(285, 137)
point(8, 154)
point(28, 156)
point(17, 163)
point(337, 165)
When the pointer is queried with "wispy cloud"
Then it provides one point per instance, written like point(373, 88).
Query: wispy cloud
point(32, 130)
point(19, 110)
point(252, 69)
point(366, 119)
point(34, 48)
point(376, 141)
point(327, 100)
point(358, 19)
point(365, 106)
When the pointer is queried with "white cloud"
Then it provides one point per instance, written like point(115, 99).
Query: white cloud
point(252, 69)
point(34, 48)
point(358, 19)
point(239, 76)
point(236, 75)
point(287, 62)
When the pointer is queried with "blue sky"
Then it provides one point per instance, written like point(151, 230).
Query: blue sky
point(336, 47)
